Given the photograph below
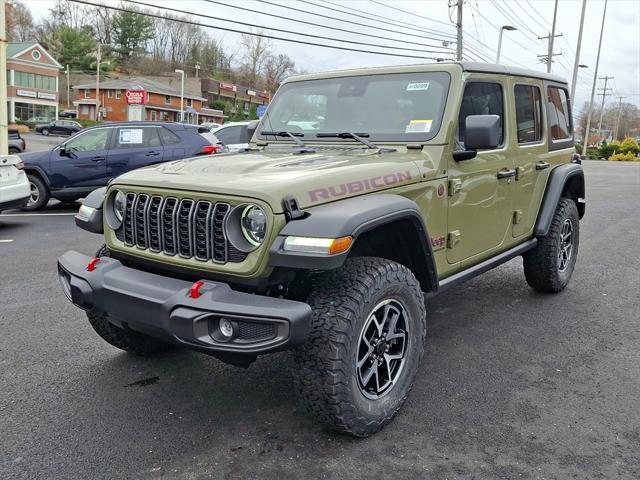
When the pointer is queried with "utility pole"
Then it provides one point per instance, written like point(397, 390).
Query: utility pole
point(552, 35)
point(68, 88)
point(197, 69)
point(619, 117)
point(593, 88)
point(576, 64)
point(604, 95)
point(548, 58)
point(4, 133)
point(459, 31)
point(98, 58)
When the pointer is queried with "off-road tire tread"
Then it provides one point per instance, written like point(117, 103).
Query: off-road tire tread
point(541, 263)
point(321, 368)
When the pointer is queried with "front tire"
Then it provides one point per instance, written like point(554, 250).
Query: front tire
point(45, 132)
point(549, 266)
point(39, 194)
point(365, 345)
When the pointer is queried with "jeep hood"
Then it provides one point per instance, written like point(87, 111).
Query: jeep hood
point(312, 178)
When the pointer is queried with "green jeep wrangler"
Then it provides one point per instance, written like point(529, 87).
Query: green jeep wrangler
point(362, 193)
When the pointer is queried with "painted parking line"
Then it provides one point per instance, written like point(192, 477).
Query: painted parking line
point(36, 214)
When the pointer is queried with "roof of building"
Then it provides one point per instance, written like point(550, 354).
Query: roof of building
point(15, 49)
point(134, 83)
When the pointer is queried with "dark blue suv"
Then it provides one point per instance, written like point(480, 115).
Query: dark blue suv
point(95, 155)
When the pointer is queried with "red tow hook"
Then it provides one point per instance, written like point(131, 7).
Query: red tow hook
point(195, 289)
point(91, 266)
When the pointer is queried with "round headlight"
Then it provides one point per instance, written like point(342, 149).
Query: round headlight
point(119, 200)
point(253, 223)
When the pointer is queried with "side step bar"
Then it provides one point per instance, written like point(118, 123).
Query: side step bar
point(485, 266)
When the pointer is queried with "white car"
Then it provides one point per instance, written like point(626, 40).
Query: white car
point(14, 185)
point(233, 135)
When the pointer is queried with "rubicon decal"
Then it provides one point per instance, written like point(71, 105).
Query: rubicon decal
point(368, 184)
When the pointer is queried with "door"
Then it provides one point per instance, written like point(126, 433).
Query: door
point(57, 128)
point(479, 214)
point(133, 147)
point(81, 161)
point(530, 155)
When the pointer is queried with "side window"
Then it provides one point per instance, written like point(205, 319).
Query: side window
point(90, 141)
point(481, 98)
point(137, 137)
point(229, 135)
point(559, 114)
point(528, 113)
point(168, 137)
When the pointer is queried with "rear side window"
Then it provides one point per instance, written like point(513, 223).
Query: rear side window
point(528, 113)
point(137, 137)
point(559, 114)
point(168, 137)
point(230, 135)
point(481, 98)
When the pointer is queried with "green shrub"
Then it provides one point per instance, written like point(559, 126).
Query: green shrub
point(606, 150)
point(629, 145)
point(622, 157)
point(578, 147)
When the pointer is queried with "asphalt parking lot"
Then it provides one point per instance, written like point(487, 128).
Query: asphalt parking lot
point(514, 384)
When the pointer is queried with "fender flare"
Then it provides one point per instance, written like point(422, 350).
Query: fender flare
point(559, 179)
point(37, 169)
point(353, 216)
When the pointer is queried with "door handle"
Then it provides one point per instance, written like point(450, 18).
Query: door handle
point(152, 154)
point(97, 159)
point(542, 165)
point(506, 173)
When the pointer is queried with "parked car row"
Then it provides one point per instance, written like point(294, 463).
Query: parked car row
point(93, 156)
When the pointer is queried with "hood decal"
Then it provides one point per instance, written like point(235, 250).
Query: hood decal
point(364, 185)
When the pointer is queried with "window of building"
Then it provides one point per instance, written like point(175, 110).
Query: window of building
point(559, 114)
point(35, 54)
point(189, 102)
point(109, 93)
point(27, 112)
point(34, 80)
point(481, 98)
point(167, 99)
point(118, 93)
point(154, 115)
point(528, 113)
point(168, 137)
point(87, 93)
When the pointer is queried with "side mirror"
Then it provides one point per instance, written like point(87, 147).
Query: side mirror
point(251, 128)
point(63, 151)
point(482, 132)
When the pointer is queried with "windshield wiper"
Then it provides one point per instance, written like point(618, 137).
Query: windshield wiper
point(292, 135)
point(355, 136)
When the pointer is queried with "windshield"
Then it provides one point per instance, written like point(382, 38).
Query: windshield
point(404, 107)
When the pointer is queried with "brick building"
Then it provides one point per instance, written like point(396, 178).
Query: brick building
point(141, 99)
point(32, 83)
point(240, 97)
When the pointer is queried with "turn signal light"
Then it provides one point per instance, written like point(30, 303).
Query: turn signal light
point(340, 245)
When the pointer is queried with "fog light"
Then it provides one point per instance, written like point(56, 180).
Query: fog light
point(226, 328)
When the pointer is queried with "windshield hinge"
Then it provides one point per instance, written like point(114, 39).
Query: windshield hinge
point(291, 209)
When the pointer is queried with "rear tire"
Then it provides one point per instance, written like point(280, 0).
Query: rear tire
point(549, 266)
point(45, 132)
point(127, 340)
point(358, 365)
point(39, 194)
point(14, 151)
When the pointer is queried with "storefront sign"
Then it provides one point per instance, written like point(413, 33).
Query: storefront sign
point(27, 93)
point(136, 97)
point(251, 92)
point(264, 95)
point(227, 86)
point(48, 96)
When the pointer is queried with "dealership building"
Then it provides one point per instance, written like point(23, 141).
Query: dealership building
point(32, 83)
point(128, 99)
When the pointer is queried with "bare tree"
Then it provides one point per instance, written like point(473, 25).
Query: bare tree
point(276, 69)
point(254, 54)
point(20, 26)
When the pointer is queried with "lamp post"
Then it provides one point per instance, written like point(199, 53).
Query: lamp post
point(181, 72)
point(502, 29)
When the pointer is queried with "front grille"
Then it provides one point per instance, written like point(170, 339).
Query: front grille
point(187, 228)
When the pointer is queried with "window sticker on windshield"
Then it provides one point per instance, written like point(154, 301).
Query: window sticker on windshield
point(418, 126)
point(129, 136)
point(417, 86)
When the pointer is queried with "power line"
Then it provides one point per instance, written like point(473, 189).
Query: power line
point(253, 25)
point(254, 34)
point(539, 14)
point(325, 26)
point(410, 13)
point(386, 22)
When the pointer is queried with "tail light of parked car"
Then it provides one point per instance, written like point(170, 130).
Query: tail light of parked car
point(20, 165)
point(209, 149)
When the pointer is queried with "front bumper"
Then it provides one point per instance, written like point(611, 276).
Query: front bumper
point(162, 307)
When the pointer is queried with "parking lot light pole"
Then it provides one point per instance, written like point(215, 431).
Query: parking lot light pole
point(181, 72)
point(510, 28)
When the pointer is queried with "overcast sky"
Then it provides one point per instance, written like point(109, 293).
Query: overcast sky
point(620, 55)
